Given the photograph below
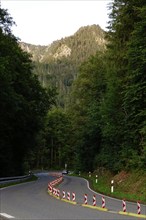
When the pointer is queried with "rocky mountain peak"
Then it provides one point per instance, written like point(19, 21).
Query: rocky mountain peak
point(63, 50)
point(89, 38)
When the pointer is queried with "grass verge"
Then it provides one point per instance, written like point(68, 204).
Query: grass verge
point(131, 187)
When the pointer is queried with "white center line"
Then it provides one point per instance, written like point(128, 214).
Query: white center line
point(6, 215)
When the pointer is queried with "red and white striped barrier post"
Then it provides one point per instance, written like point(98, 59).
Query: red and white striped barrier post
point(124, 205)
point(103, 202)
point(94, 200)
point(85, 199)
point(68, 195)
point(73, 196)
point(49, 188)
point(63, 192)
point(138, 208)
point(58, 193)
point(55, 192)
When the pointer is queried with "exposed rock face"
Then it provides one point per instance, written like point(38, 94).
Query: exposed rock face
point(58, 64)
point(87, 40)
point(64, 50)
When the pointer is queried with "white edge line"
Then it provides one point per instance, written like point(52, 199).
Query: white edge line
point(6, 215)
point(103, 194)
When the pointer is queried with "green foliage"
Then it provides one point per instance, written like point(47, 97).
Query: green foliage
point(101, 122)
point(58, 134)
point(54, 66)
point(23, 101)
point(118, 111)
point(84, 110)
point(134, 93)
point(122, 109)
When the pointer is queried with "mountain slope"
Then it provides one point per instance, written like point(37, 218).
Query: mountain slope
point(57, 64)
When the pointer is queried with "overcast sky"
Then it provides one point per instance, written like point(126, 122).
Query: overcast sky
point(44, 21)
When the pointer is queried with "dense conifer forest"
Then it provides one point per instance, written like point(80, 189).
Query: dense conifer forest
point(92, 114)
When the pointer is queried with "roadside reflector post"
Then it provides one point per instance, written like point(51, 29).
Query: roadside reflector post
point(112, 186)
point(79, 173)
point(89, 174)
point(96, 178)
point(65, 166)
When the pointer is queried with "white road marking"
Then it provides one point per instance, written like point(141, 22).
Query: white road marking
point(6, 215)
point(103, 194)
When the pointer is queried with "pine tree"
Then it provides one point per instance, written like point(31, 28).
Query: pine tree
point(134, 94)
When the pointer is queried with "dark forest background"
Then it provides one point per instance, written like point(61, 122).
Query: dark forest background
point(82, 102)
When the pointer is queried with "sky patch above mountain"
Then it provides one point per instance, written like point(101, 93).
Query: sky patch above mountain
point(42, 22)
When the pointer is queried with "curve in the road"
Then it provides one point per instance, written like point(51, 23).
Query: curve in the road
point(31, 201)
point(81, 184)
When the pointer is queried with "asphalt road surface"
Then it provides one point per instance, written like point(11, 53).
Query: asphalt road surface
point(31, 201)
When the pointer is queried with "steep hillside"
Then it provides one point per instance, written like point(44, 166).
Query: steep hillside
point(85, 42)
point(57, 64)
point(127, 185)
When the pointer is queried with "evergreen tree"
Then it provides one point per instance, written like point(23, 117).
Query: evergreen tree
point(84, 110)
point(134, 93)
point(23, 101)
point(58, 135)
point(118, 138)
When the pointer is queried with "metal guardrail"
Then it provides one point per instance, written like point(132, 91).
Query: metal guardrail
point(4, 180)
point(13, 178)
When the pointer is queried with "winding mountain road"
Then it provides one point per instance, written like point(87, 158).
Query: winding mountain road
point(32, 201)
